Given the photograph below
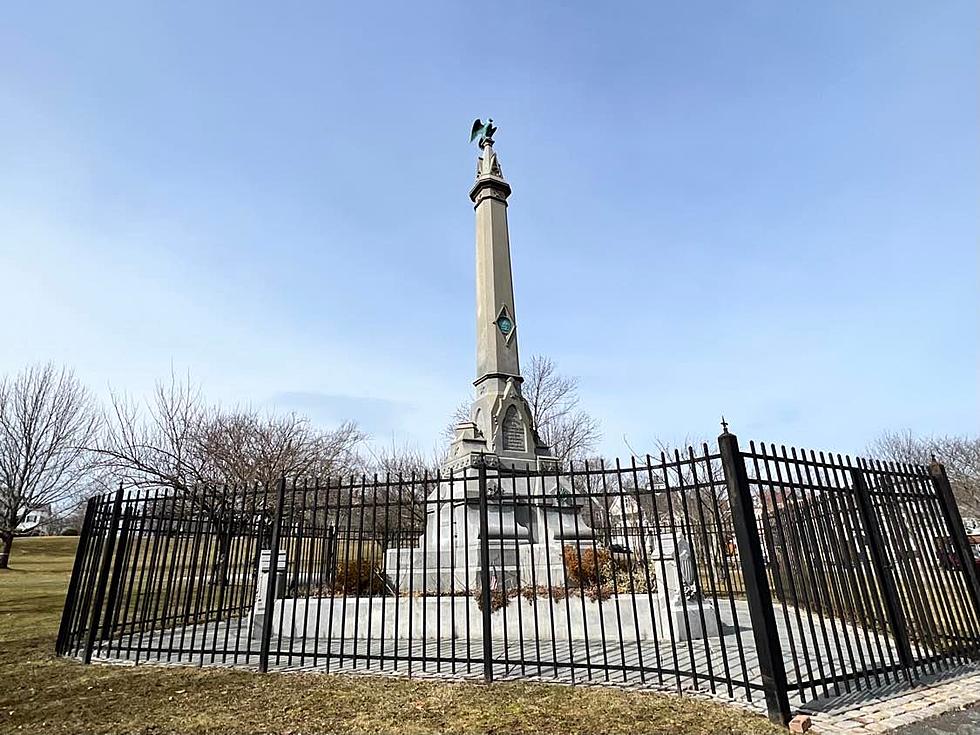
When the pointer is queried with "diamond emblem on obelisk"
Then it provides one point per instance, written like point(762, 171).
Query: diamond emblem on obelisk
point(505, 324)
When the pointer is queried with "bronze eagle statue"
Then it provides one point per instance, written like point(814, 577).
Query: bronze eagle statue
point(483, 129)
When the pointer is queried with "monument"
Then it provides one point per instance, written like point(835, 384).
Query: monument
point(500, 422)
point(531, 518)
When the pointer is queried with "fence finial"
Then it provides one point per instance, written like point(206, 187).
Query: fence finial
point(724, 425)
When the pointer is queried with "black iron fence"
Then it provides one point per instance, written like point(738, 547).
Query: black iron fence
point(758, 574)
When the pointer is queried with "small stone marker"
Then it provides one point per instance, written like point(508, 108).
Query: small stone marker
point(265, 557)
point(262, 583)
point(693, 616)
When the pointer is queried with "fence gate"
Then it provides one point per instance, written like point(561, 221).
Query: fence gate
point(867, 565)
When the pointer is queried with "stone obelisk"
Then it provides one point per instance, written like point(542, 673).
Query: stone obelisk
point(531, 522)
point(500, 421)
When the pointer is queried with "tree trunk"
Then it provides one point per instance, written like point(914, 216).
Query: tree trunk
point(219, 576)
point(8, 541)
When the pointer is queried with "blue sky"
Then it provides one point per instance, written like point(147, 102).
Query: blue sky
point(761, 209)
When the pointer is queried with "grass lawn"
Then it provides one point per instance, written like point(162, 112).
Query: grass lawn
point(41, 693)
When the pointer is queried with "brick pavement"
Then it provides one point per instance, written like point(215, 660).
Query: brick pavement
point(892, 707)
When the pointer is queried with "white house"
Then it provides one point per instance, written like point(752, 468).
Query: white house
point(35, 523)
point(626, 523)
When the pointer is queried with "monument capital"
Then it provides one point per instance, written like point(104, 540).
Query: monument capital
point(490, 187)
point(490, 180)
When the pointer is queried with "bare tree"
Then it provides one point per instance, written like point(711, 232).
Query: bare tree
point(177, 441)
point(959, 454)
point(47, 419)
point(243, 447)
point(568, 429)
point(71, 521)
point(407, 476)
point(460, 414)
point(158, 444)
point(401, 461)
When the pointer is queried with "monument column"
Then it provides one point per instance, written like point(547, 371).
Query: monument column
point(500, 419)
point(496, 325)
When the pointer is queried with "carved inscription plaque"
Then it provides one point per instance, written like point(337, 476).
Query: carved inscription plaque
point(514, 431)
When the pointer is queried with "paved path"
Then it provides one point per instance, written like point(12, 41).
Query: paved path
point(964, 722)
point(896, 709)
point(818, 649)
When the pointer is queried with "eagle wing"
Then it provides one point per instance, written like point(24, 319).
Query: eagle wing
point(478, 127)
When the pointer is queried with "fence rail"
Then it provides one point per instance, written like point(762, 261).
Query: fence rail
point(765, 574)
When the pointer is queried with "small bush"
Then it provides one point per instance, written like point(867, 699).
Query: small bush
point(498, 599)
point(358, 578)
point(601, 592)
point(638, 579)
point(587, 567)
point(594, 574)
point(69, 532)
point(555, 593)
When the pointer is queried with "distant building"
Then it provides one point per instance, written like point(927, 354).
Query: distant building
point(626, 526)
point(35, 523)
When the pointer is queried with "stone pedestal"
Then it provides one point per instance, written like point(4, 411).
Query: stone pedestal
point(262, 586)
point(528, 527)
point(685, 613)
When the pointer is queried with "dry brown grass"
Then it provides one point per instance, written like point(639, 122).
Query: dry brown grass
point(42, 694)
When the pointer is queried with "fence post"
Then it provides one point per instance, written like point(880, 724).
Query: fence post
point(71, 598)
point(957, 532)
point(766, 634)
point(103, 578)
point(331, 554)
point(122, 548)
point(883, 569)
point(270, 589)
point(485, 572)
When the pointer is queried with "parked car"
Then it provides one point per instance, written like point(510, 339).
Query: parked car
point(949, 559)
